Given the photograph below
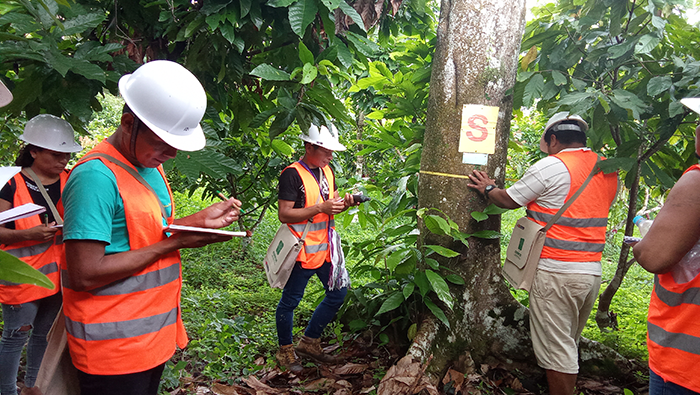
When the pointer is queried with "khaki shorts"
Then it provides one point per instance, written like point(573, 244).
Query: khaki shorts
point(560, 304)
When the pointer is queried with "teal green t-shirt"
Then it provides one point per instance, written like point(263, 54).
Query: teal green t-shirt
point(94, 209)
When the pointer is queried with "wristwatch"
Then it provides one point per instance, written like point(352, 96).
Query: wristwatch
point(488, 189)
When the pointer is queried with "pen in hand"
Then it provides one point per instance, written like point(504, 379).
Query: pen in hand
point(46, 219)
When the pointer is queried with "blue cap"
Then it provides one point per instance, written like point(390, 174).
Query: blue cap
point(637, 219)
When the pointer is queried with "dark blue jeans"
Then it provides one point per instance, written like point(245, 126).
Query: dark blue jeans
point(657, 386)
point(291, 296)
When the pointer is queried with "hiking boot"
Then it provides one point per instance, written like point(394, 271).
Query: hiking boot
point(288, 359)
point(311, 348)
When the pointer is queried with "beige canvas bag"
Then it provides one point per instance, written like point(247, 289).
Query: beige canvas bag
point(57, 375)
point(282, 254)
point(527, 241)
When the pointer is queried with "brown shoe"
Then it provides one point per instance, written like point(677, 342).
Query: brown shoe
point(288, 359)
point(311, 348)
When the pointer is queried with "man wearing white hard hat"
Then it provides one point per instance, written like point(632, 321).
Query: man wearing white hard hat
point(29, 310)
point(308, 193)
point(569, 270)
point(123, 272)
point(673, 334)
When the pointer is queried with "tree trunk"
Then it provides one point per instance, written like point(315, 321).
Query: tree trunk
point(476, 57)
point(606, 319)
point(475, 62)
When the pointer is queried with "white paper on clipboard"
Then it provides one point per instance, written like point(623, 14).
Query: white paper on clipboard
point(183, 228)
point(19, 212)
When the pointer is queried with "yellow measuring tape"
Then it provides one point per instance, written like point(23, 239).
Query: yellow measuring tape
point(434, 173)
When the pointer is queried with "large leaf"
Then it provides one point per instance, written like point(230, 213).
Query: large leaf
point(349, 11)
point(392, 302)
point(15, 271)
point(658, 85)
point(440, 287)
point(301, 14)
point(444, 251)
point(267, 72)
point(437, 312)
point(436, 224)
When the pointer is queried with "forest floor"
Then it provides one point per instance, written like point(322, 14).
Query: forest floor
point(368, 369)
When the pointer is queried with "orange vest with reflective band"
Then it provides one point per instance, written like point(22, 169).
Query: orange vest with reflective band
point(673, 328)
point(133, 324)
point(44, 256)
point(315, 251)
point(579, 234)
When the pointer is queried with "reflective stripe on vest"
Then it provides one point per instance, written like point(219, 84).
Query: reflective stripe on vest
point(579, 234)
point(134, 283)
point(45, 256)
point(133, 324)
point(315, 251)
point(121, 329)
point(673, 337)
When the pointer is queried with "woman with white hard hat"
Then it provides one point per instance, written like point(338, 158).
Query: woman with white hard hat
point(28, 311)
point(673, 332)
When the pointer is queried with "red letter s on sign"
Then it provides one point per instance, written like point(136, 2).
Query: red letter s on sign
point(473, 125)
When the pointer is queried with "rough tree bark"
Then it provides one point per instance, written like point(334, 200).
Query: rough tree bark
point(475, 63)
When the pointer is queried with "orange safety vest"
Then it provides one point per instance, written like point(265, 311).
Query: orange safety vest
point(133, 324)
point(315, 252)
point(44, 256)
point(673, 328)
point(579, 235)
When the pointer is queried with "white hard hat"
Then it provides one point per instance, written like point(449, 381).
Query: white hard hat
point(692, 103)
point(5, 95)
point(324, 137)
point(50, 132)
point(169, 99)
point(555, 122)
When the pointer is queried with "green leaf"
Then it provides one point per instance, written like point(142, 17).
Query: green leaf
point(559, 78)
point(479, 216)
point(13, 270)
point(260, 118)
point(309, 74)
point(659, 84)
point(437, 312)
point(352, 13)
point(408, 290)
point(435, 265)
point(228, 31)
point(301, 14)
point(305, 55)
point(283, 119)
point(282, 147)
point(81, 23)
point(444, 251)
point(646, 44)
point(440, 287)
point(436, 224)
point(454, 279)
point(413, 329)
point(533, 89)
point(267, 72)
point(492, 209)
point(392, 302)
point(280, 3)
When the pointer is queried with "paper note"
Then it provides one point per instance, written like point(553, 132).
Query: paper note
point(478, 132)
point(19, 212)
point(183, 228)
